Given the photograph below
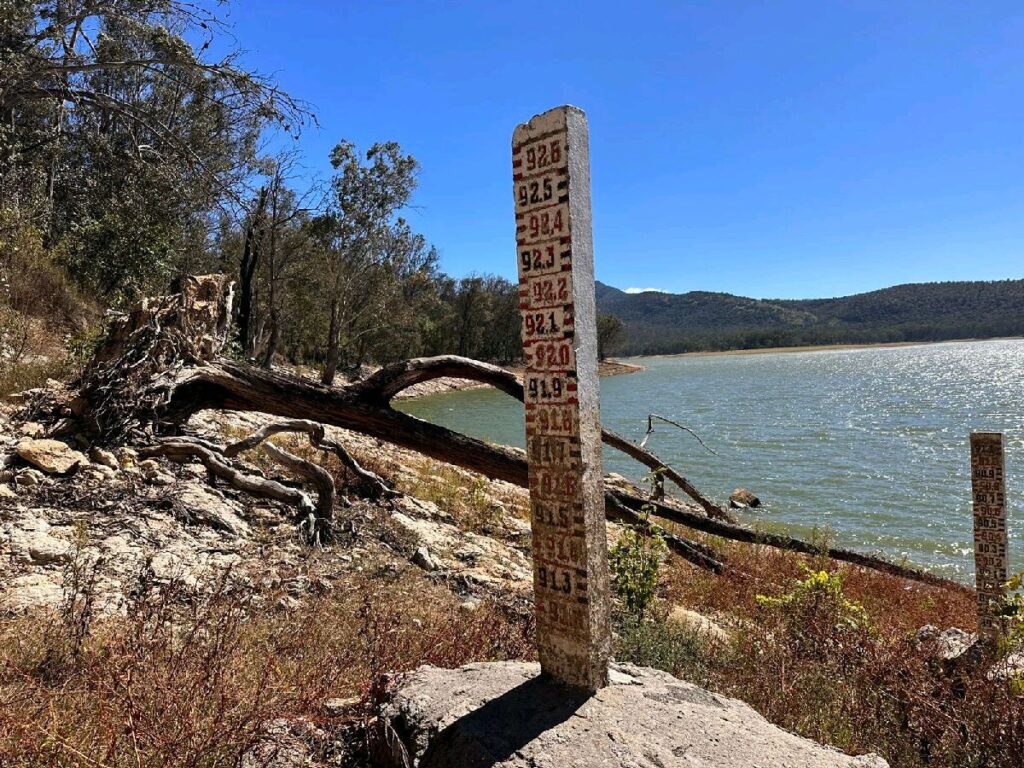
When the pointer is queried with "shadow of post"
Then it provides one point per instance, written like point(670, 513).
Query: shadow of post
point(501, 727)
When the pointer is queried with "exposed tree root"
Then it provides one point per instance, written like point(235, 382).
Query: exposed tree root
point(151, 378)
point(182, 450)
point(372, 484)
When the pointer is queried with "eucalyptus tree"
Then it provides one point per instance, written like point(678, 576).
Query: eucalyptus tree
point(122, 133)
point(356, 237)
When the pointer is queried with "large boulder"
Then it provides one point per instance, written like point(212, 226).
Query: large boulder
point(503, 714)
point(51, 456)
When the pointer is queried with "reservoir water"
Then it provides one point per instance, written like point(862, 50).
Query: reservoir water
point(871, 444)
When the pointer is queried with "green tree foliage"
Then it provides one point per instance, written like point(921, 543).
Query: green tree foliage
point(120, 138)
point(611, 334)
point(365, 248)
point(129, 155)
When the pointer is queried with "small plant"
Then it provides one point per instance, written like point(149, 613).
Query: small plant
point(817, 601)
point(664, 645)
point(635, 560)
point(1012, 610)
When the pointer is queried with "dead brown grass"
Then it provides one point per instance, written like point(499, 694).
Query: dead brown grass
point(182, 681)
point(862, 688)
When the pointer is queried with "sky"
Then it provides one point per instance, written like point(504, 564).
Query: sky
point(768, 149)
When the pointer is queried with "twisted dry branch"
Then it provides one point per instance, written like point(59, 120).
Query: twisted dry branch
point(206, 381)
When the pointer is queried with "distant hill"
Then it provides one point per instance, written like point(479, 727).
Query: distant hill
point(658, 323)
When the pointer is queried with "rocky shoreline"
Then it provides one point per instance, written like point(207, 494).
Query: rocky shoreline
point(95, 536)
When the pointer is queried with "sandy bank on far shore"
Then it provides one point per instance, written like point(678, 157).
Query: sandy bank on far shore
point(437, 386)
point(821, 348)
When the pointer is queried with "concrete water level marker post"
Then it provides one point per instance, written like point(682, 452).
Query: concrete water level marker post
point(988, 493)
point(551, 182)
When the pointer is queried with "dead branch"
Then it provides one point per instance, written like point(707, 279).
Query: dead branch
point(188, 378)
point(227, 385)
point(651, 461)
point(182, 450)
point(392, 379)
point(694, 552)
point(318, 521)
point(650, 431)
point(778, 541)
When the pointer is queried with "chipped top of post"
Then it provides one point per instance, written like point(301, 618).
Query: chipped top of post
point(546, 122)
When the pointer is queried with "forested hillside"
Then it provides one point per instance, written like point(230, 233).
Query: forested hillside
point(131, 155)
point(657, 323)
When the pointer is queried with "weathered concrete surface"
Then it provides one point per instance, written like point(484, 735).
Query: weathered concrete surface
point(502, 714)
point(555, 254)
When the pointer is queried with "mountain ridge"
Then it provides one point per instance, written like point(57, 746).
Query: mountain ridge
point(660, 323)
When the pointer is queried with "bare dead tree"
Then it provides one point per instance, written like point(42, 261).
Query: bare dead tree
point(161, 366)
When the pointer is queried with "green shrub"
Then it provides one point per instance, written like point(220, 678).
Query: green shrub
point(634, 562)
point(1013, 610)
point(663, 645)
point(815, 616)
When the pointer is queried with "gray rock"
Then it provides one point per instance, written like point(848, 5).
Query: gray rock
point(741, 498)
point(160, 478)
point(104, 458)
point(6, 492)
point(1010, 668)
point(503, 714)
point(100, 471)
point(32, 540)
point(336, 707)
point(31, 429)
point(149, 465)
point(51, 456)
point(952, 650)
point(424, 560)
point(199, 503)
point(28, 477)
point(284, 744)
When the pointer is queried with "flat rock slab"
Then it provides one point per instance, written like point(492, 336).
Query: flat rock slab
point(51, 456)
point(503, 714)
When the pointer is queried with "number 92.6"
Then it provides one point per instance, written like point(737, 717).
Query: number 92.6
point(543, 155)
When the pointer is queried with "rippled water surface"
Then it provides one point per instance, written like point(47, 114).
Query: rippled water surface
point(871, 443)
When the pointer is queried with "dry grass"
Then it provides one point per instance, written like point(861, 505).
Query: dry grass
point(187, 682)
point(475, 504)
point(860, 686)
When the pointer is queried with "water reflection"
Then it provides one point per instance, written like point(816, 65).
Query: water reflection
point(870, 442)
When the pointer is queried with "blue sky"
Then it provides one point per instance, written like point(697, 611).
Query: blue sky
point(771, 149)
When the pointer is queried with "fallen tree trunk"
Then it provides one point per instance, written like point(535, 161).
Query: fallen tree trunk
point(127, 392)
point(364, 407)
point(777, 540)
